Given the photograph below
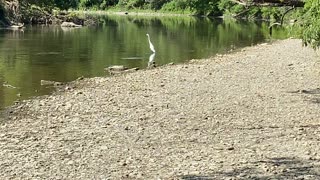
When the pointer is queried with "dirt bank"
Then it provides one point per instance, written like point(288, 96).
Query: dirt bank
point(253, 114)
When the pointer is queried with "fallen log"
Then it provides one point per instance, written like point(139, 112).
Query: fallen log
point(70, 24)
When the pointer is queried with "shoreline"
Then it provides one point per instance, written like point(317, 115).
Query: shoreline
point(130, 13)
point(248, 114)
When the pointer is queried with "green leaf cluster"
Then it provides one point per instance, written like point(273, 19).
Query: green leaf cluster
point(311, 24)
point(197, 7)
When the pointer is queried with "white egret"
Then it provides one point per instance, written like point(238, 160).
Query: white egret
point(151, 45)
point(151, 58)
point(151, 63)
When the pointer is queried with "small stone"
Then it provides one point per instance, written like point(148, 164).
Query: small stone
point(116, 68)
point(132, 69)
point(58, 84)
point(70, 162)
point(67, 88)
point(80, 78)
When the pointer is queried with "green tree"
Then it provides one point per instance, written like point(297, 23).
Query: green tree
point(62, 4)
point(66, 4)
point(205, 7)
point(311, 26)
point(157, 4)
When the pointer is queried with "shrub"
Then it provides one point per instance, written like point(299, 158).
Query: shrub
point(176, 5)
point(311, 24)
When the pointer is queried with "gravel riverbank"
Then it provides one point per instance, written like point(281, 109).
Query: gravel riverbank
point(253, 114)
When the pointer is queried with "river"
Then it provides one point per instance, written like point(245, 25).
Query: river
point(57, 54)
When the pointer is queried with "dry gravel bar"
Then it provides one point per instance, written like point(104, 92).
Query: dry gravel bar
point(251, 114)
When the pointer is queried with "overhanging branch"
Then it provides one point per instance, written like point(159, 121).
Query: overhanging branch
point(272, 3)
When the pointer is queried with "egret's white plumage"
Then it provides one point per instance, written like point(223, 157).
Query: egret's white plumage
point(151, 58)
point(150, 44)
point(151, 62)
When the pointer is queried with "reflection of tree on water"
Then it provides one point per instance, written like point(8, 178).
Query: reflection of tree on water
point(151, 62)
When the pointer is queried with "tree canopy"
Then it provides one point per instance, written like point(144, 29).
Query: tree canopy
point(308, 17)
point(311, 24)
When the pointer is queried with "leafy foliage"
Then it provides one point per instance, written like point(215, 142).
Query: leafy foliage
point(176, 6)
point(311, 26)
point(204, 7)
point(198, 7)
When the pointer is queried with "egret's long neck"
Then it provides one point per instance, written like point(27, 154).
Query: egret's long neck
point(149, 39)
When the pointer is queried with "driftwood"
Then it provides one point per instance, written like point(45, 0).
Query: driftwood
point(70, 24)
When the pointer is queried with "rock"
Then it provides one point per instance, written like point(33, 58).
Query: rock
point(230, 148)
point(68, 88)
point(16, 27)
point(50, 83)
point(8, 86)
point(80, 78)
point(116, 68)
point(77, 93)
point(58, 84)
point(70, 24)
point(119, 69)
point(46, 83)
point(132, 69)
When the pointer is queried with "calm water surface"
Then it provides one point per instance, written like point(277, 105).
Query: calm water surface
point(52, 53)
